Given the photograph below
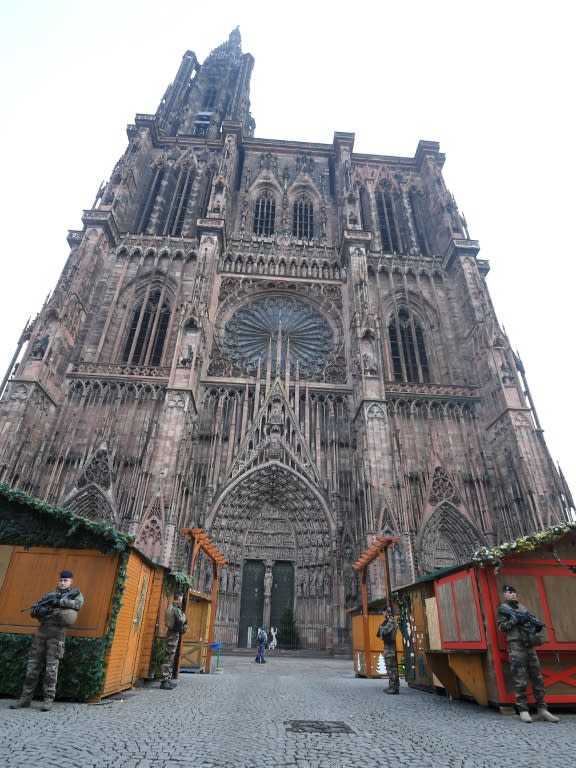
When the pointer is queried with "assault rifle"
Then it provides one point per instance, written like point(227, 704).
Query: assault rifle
point(42, 607)
point(526, 620)
point(179, 625)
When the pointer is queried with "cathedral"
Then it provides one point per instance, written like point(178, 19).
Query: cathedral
point(288, 344)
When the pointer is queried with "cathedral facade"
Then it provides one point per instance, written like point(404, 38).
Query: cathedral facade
point(288, 344)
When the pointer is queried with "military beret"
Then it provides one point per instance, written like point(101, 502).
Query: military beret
point(66, 575)
point(508, 588)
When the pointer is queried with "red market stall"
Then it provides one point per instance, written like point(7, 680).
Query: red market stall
point(451, 616)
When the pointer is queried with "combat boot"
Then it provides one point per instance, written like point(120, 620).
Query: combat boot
point(46, 705)
point(548, 717)
point(166, 685)
point(525, 716)
point(23, 701)
point(393, 691)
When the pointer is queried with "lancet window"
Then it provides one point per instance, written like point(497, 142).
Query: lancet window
point(419, 218)
point(164, 210)
point(148, 207)
point(303, 219)
point(407, 348)
point(147, 331)
point(264, 215)
point(401, 221)
point(387, 224)
point(209, 97)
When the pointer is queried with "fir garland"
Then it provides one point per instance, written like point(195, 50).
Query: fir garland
point(177, 581)
point(494, 557)
point(20, 525)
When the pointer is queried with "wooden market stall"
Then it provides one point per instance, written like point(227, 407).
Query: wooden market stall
point(451, 615)
point(194, 647)
point(365, 647)
point(376, 646)
point(111, 644)
point(198, 643)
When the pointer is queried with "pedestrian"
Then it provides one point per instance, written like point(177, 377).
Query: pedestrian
point(261, 642)
point(522, 630)
point(56, 611)
point(176, 625)
point(387, 632)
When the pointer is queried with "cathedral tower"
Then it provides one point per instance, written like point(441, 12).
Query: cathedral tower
point(289, 344)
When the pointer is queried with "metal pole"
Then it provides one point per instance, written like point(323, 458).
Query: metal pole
point(213, 604)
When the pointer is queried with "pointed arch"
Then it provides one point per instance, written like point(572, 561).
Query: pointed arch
point(147, 328)
point(92, 495)
point(92, 503)
point(447, 538)
point(275, 433)
point(303, 217)
point(98, 470)
point(151, 533)
point(408, 354)
point(264, 214)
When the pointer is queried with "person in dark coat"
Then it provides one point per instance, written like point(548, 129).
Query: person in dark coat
point(515, 621)
point(387, 633)
point(176, 625)
point(56, 611)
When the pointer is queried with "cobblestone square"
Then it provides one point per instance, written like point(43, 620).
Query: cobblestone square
point(253, 715)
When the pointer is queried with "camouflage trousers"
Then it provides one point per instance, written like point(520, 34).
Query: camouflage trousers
point(169, 655)
point(45, 655)
point(525, 669)
point(392, 669)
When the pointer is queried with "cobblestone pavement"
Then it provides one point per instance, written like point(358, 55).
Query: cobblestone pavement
point(289, 713)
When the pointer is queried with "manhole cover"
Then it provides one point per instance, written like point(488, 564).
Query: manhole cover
point(317, 726)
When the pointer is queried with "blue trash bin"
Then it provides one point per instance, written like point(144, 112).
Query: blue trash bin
point(216, 647)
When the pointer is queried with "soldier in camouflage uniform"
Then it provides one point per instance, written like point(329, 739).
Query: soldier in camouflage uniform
point(524, 661)
point(176, 625)
point(387, 632)
point(55, 611)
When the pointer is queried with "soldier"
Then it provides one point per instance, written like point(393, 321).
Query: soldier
point(56, 611)
point(177, 626)
point(521, 629)
point(387, 632)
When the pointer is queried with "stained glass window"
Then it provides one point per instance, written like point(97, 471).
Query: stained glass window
point(283, 328)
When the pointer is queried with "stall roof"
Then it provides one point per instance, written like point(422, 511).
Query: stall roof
point(28, 521)
point(494, 556)
point(205, 543)
point(373, 551)
point(441, 572)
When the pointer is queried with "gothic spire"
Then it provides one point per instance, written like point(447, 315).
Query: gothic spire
point(202, 96)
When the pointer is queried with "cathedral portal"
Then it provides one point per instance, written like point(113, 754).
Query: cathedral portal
point(278, 534)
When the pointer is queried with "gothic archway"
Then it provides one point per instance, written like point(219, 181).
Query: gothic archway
point(447, 538)
point(91, 502)
point(275, 517)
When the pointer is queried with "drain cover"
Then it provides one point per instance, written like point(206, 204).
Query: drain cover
point(317, 726)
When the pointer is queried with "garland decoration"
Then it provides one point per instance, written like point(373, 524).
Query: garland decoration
point(29, 522)
point(493, 557)
point(177, 581)
point(60, 527)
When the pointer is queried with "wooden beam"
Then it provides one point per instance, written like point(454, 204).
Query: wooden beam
point(381, 543)
point(365, 625)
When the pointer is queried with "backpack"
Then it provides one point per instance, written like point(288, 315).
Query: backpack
point(262, 636)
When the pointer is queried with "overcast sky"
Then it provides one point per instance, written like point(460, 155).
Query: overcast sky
point(493, 82)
